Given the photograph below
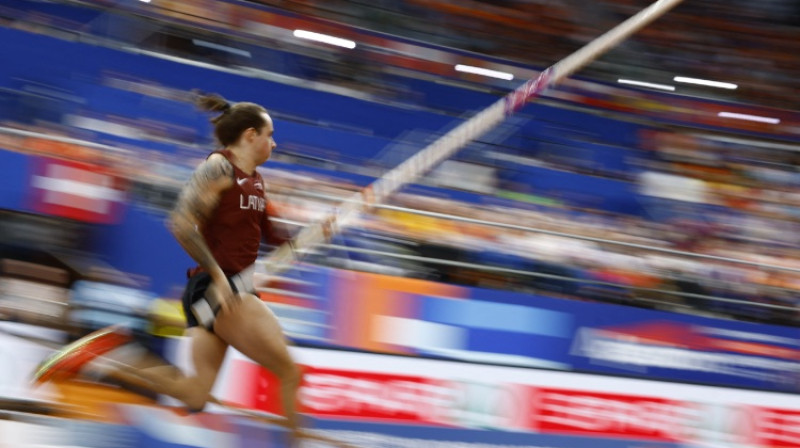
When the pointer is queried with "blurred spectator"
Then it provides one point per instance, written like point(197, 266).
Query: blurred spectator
point(709, 196)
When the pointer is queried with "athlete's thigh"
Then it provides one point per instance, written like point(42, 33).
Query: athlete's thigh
point(208, 353)
point(253, 329)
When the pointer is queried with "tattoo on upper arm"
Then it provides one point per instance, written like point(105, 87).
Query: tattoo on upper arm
point(195, 205)
point(197, 199)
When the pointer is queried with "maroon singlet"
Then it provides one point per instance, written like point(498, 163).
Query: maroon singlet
point(240, 221)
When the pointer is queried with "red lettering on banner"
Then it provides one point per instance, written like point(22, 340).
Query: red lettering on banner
point(776, 428)
point(608, 415)
point(364, 396)
point(348, 394)
point(373, 396)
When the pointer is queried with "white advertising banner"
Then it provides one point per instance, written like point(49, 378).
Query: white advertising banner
point(404, 390)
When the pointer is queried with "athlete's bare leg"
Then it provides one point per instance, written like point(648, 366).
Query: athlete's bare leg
point(250, 327)
point(253, 329)
point(208, 353)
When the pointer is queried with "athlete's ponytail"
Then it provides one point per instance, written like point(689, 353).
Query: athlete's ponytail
point(233, 119)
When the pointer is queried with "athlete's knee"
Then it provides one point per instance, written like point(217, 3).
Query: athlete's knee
point(290, 373)
point(192, 396)
point(195, 401)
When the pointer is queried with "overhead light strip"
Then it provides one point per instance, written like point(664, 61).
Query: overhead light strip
point(705, 82)
point(650, 85)
point(324, 38)
point(749, 117)
point(484, 72)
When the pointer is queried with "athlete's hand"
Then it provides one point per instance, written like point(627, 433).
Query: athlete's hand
point(222, 291)
point(328, 227)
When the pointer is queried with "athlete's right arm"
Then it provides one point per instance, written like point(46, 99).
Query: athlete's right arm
point(195, 205)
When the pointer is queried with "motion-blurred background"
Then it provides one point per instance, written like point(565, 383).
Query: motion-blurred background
point(616, 265)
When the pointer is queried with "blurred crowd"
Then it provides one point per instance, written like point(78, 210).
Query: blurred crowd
point(686, 264)
point(743, 216)
point(719, 232)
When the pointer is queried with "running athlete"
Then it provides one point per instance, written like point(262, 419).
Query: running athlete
point(220, 218)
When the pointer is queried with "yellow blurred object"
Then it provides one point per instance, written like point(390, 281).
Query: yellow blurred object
point(167, 318)
point(422, 226)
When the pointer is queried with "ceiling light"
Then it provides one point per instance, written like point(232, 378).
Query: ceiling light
point(748, 117)
point(324, 38)
point(647, 84)
point(705, 82)
point(484, 72)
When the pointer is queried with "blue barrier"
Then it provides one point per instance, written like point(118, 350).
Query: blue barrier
point(578, 189)
point(394, 435)
point(36, 56)
point(343, 146)
point(141, 244)
point(14, 181)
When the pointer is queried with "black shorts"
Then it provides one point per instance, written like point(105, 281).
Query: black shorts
point(200, 310)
